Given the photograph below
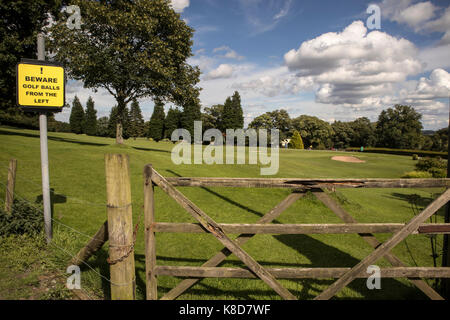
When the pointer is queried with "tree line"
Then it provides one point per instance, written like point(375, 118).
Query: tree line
point(399, 127)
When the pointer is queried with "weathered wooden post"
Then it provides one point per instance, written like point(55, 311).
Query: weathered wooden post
point(150, 241)
point(120, 227)
point(10, 185)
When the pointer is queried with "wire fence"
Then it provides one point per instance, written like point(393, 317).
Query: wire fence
point(75, 200)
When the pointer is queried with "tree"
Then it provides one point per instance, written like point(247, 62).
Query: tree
point(363, 133)
point(102, 127)
point(156, 130)
point(133, 49)
point(296, 141)
point(343, 134)
point(440, 140)
point(314, 131)
point(232, 117)
point(191, 113)
point(212, 117)
point(278, 119)
point(172, 122)
point(90, 127)
point(21, 21)
point(76, 119)
point(112, 124)
point(399, 128)
point(238, 113)
point(136, 120)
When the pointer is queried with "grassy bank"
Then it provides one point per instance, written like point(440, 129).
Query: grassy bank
point(78, 182)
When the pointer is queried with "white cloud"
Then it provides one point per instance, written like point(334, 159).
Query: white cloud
point(222, 71)
point(353, 64)
point(415, 14)
point(179, 5)
point(228, 53)
point(435, 57)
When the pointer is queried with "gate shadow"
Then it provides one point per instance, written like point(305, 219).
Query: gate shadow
point(326, 256)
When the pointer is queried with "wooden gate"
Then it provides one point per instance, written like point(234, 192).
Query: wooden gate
point(270, 275)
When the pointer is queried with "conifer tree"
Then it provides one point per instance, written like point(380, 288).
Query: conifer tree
point(90, 127)
point(172, 122)
point(237, 110)
point(296, 141)
point(112, 123)
point(137, 120)
point(191, 113)
point(156, 129)
point(76, 119)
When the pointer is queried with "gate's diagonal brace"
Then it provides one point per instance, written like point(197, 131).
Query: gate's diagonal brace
point(373, 241)
point(387, 246)
point(240, 240)
point(214, 228)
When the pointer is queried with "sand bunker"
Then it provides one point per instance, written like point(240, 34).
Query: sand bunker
point(347, 159)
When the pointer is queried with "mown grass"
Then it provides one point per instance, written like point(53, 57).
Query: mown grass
point(78, 181)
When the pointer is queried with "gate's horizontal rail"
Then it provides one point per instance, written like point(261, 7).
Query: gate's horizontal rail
point(299, 273)
point(307, 183)
point(301, 228)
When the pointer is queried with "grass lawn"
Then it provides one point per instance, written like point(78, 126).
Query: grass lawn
point(78, 182)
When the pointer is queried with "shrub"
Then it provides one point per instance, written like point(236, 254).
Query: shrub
point(25, 218)
point(417, 175)
point(415, 157)
point(430, 163)
point(296, 141)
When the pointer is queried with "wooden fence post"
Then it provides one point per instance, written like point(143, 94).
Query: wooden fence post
point(120, 227)
point(150, 241)
point(10, 185)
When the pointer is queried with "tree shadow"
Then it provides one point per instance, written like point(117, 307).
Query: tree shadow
point(220, 196)
point(322, 255)
point(151, 149)
point(59, 139)
point(417, 202)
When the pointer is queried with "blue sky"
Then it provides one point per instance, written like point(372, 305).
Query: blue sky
point(316, 57)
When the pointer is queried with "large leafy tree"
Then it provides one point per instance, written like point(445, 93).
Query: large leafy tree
point(399, 127)
point(133, 49)
point(363, 133)
point(343, 134)
point(77, 117)
point(212, 117)
point(137, 120)
point(278, 119)
point(21, 21)
point(156, 130)
point(90, 124)
point(314, 131)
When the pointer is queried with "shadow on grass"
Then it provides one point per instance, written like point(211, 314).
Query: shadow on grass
point(218, 195)
point(323, 255)
point(150, 149)
point(59, 139)
point(417, 202)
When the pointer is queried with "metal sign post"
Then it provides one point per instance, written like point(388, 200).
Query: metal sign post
point(44, 154)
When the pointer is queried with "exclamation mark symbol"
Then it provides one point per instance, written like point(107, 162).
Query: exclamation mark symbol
point(42, 70)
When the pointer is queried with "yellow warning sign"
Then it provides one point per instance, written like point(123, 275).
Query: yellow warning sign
point(40, 85)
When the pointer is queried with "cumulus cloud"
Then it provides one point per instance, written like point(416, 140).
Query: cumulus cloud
point(414, 15)
point(353, 64)
point(179, 5)
point(222, 71)
point(420, 16)
point(228, 53)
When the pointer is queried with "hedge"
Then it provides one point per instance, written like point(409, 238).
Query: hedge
point(401, 152)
